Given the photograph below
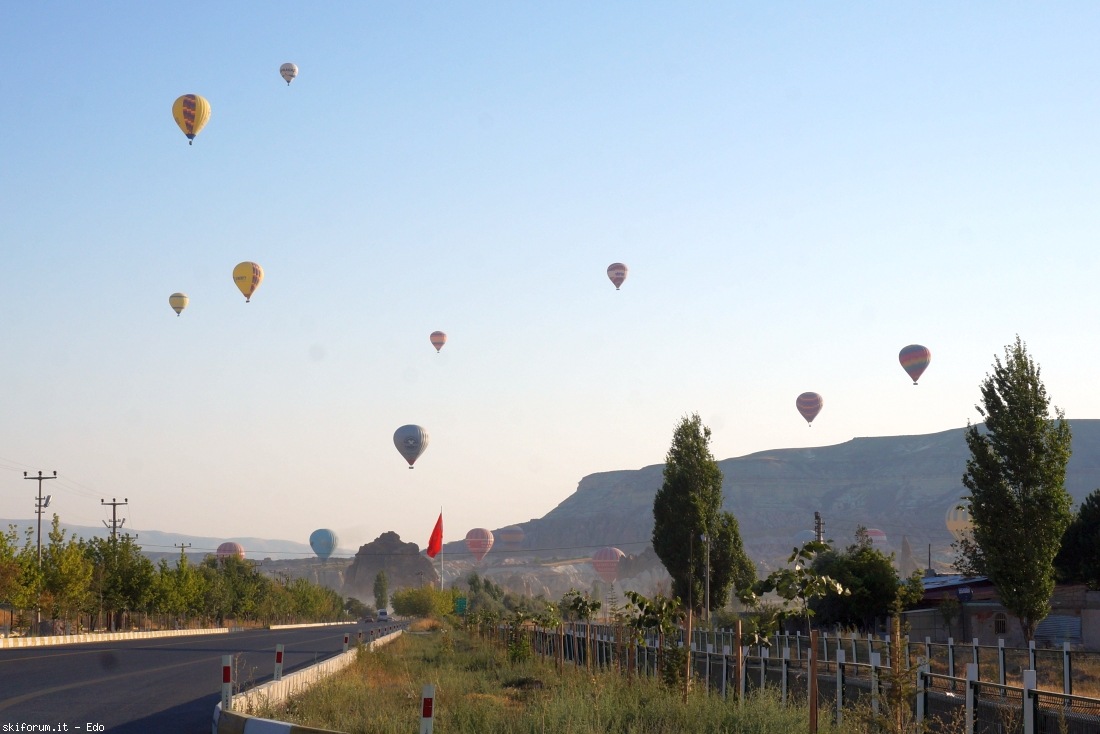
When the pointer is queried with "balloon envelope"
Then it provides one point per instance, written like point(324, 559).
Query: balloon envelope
point(323, 542)
point(438, 340)
point(878, 540)
point(248, 276)
point(606, 562)
point(478, 542)
point(617, 273)
point(809, 404)
point(959, 523)
point(411, 441)
point(288, 71)
point(914, 360)
point(191, 113)
point(512, 536)
point(178, 302)
point(229, 548)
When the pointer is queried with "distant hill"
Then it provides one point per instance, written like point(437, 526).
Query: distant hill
point(903, 485)
point(156, 543)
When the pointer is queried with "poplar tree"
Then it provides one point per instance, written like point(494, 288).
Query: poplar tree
point(687, 508)
point(1016, 476)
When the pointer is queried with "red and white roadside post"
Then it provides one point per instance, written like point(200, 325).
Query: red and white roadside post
point(346, 636)
point(360, 637)
point(227, 682)
point(278, 662)
point(427, 709)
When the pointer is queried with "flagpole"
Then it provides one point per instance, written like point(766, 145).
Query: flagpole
point(441, 556)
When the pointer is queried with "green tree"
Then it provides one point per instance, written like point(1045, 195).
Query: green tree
point(123, 577)
point(66, 575)
point(688, 509)
point(869, 576)
point(1078, 560)
point(381, 590)
point(796, 586)
point(1016, 476)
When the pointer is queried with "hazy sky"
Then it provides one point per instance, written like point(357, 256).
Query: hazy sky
point(799, 190)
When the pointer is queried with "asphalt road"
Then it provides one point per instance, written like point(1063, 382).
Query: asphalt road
point(166, 685)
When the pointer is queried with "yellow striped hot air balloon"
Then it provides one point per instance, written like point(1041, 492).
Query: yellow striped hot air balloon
point(178, 302)
point(191, 113)
point(248, 276)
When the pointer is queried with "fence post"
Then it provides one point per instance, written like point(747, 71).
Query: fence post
point(725, 667)
point(1001, 664)
point(976, 659)
point(1029, 705)
point(951, 663)
point(876, 660)
point(971, 679)
point(922, 690)
point(798, 645)
point(764, 654)
point(839, 686)
point(785, 667)
point(928, 649)
point(887, 637)
point(742, 669)
point(1031, 655)
point(855, 656)
point(811, 681)
point(1067, 670)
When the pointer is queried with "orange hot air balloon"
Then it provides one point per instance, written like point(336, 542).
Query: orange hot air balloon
point(248, 276)
point(809, 404)
point(914, 360)
point(478, 542)
point(617, 272)
point(606, 562)
point(438, 340)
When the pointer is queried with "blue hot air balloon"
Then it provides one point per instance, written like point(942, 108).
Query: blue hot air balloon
point(323, 542)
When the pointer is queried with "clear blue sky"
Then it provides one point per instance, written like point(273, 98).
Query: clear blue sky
point(799, 190)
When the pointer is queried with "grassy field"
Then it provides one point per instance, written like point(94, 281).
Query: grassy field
point(479, 690)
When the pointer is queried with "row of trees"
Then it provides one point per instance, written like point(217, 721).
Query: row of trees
point(1024, 534)
point(102, 582)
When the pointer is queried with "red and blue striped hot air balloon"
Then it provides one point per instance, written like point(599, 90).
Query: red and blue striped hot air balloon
point(914, 360)
point(606, 562)
point(809, 404)
point(478, 542)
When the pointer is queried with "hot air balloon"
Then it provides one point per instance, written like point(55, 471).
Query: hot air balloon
point(878, 540)
point(959, 523)
point(512, 536)
point(606, 562)
point(230, 549)
point(410, 441)
point(617, 273)
point(914, 360)
point(478, 542)
point(248, 276)
point(438, 340)
point(288, 72)
point(809, 405)
point(323, 542)
point(178, 302)
point(191, 113)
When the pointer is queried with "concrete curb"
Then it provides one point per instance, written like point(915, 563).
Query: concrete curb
point(231, 722)
point(11, 642)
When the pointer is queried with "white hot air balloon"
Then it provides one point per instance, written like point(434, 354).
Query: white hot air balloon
point(288, 71)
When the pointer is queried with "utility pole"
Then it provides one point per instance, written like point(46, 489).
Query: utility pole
point(115, 522)
point(40, 506)
point(819, 528)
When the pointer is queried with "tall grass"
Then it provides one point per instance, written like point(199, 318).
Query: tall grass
point(478, 690)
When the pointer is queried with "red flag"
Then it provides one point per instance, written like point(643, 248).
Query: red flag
point(435, 543)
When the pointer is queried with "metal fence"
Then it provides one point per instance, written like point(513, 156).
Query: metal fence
point(853, 670)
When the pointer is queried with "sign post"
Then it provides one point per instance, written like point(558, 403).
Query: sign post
point(227, 682)
point(427, 709)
